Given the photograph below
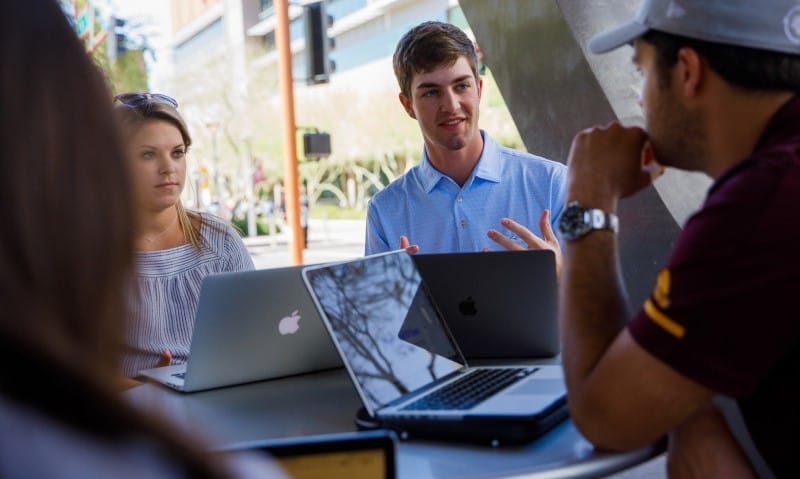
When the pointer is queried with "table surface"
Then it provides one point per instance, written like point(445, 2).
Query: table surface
point(326, 402)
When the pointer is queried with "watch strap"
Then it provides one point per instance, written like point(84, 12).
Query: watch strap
point(602, 220)
point(577, 221)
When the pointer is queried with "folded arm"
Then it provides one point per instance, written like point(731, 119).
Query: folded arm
point(620, 396)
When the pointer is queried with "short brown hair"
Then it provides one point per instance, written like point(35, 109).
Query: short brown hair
point(428, 46)
point(745, 68)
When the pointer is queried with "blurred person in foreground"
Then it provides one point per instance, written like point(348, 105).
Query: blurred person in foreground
point(712, 359)
point(66, 250)
point(466, 184)
point(175, 248)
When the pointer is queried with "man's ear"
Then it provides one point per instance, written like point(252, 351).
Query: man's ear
point(691, 71)
point(406, 102)
point(480, 86)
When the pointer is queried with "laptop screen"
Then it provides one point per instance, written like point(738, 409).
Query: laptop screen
point(386, 326)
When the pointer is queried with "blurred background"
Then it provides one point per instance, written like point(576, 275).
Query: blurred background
point(218, 59)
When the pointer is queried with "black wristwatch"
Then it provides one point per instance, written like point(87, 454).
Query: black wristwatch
point(577, 221)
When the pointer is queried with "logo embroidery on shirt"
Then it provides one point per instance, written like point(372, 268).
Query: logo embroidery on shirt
point(661, 293)
point(661, 298)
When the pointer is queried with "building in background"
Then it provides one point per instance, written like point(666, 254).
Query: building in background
point(218, 59)
point(116, 45)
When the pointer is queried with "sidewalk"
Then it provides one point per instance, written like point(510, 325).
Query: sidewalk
point(328, 240)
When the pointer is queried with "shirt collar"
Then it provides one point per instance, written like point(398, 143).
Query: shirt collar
point(780, 128)
point(488, 167)
point(782, 125)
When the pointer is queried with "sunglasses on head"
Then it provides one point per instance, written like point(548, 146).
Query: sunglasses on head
point(136, 100)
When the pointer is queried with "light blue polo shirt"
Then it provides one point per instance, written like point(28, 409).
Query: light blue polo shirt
point(442, 217)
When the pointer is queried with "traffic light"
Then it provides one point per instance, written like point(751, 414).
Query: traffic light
point(316, 144)
point(120, 35)
point(317, 21)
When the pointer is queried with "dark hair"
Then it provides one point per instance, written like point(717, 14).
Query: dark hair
point(746, 68)
point(130, 118)
point(428, 46)
point(66, 246)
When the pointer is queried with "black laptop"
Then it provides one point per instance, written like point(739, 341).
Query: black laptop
point(407, 368)
point(500, 304)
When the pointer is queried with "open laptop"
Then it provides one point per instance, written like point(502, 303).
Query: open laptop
point(407, 368)
point(251, 326)
point(497, 305)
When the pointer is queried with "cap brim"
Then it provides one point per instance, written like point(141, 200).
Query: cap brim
point(624, 34)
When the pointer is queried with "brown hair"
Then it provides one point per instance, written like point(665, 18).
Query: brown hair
point(428, 46)
point(66, 245)
point(130, 118)
point(745, 68)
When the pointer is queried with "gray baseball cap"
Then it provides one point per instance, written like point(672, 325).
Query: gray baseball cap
point(767, 25)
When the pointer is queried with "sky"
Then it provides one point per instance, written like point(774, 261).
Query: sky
point(157, 9)
point(155, 15)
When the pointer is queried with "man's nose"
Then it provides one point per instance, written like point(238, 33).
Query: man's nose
point(450, 102)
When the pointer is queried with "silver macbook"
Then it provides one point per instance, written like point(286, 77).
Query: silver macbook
point(498, 305)
point(407, 368)
point(251, 326)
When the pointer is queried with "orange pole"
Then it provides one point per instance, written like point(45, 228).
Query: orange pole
point(291, 176)
point(99, 39)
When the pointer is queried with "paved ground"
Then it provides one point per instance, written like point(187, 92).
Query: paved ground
point(328, 240)
point(337, 240)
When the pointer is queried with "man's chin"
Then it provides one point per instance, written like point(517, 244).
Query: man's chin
point(456, 145)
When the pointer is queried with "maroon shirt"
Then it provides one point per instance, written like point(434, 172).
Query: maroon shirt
point(725, 311)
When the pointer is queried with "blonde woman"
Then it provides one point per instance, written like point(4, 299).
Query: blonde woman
point(175, 248)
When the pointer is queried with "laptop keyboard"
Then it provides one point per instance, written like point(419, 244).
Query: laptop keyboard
point(470, 390)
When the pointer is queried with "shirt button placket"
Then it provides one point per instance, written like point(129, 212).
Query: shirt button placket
point(461, 224)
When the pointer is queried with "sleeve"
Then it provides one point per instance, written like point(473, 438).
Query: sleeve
point(558, 198)
point(375, 241)
point(238, 257)
point(721, 311)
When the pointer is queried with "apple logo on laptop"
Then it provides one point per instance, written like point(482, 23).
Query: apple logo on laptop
point(289, 324)
point(467, 307)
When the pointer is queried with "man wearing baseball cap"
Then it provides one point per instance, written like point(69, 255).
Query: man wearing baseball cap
point(720, 83)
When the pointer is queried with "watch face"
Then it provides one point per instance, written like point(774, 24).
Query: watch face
point(573, 223)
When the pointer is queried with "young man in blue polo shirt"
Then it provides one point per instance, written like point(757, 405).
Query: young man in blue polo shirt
point(719, 96)
point(466, 187)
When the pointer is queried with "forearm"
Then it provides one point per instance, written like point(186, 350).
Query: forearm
point(620, 396)
point(703, 446)
point(592, 305)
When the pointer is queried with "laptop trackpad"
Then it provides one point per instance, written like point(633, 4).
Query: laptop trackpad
point(538, 386)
